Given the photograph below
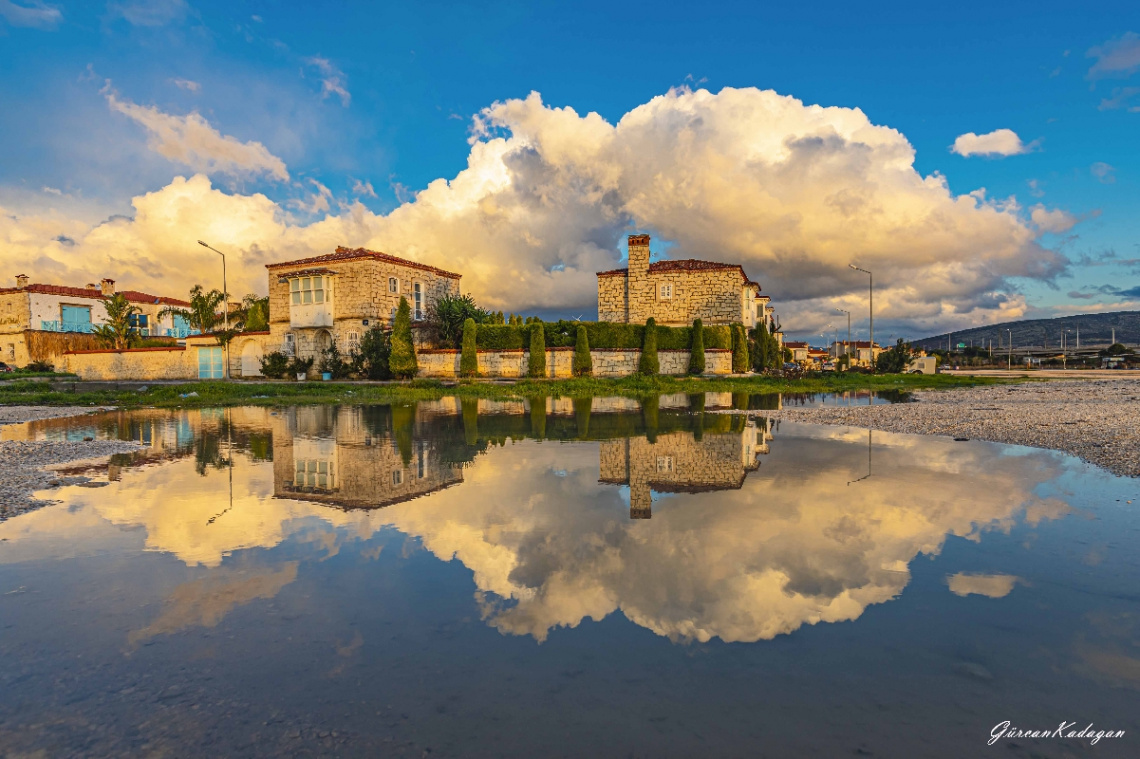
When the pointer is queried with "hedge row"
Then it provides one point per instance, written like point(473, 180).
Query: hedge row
point(562, 334)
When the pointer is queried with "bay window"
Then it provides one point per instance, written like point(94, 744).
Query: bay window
point(306, 290)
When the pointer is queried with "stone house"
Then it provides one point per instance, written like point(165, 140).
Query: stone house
point(336, 297)
point(677, 292)
point(31, 311)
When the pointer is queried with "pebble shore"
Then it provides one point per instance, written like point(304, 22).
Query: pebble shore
point(25, 464)
point(1096, 420)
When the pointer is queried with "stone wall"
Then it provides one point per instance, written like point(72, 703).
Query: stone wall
point(133, 364)
point(611, 362)
point(612, 303)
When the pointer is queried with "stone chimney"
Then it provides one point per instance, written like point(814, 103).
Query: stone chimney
point(638, 288)
point(21, 281)
point(107, 286)
point(638, 255)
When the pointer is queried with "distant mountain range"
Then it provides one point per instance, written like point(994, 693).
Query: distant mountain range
point(1096, 332)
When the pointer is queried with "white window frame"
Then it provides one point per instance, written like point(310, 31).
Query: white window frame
point(664, 464)
point(397, 477)
point(310, 291)
point(665, 291)
point(394, 285)
point(417, 301)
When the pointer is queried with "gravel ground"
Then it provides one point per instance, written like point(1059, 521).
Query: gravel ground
point(25, 463)
point(16, 414)
point(1099, 421)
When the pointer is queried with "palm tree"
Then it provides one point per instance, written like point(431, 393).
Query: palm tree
point(117, 331)
point(203, 312)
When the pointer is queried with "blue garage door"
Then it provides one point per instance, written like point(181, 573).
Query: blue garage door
point(210, 363)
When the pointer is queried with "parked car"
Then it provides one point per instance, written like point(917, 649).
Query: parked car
point(829, 366)
point(5, 368)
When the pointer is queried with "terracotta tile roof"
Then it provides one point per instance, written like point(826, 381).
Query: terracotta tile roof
point(87, 292)
point(353, 254)
point(305, 273)
point(796, 344)
point(684, 264)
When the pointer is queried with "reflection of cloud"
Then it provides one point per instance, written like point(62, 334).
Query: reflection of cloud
point(991, 586)
point(795, 546)
point(204, 602)
point(1110, 651)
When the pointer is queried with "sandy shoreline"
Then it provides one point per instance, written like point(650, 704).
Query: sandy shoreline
point(1096, 420)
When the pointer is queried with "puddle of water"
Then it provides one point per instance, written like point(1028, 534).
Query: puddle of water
point(593, 577)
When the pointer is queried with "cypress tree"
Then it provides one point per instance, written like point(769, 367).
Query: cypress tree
point(538, 417)
point(582, 408)
point(697, 349)
point(536, 363)
point(649, 364)
point(650, 405)
point(468, 359)
point(583, 361)
point(739, 350)
point(469, 408)
point(402, 358)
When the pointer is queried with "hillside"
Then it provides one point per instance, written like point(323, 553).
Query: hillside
point(1096, 331)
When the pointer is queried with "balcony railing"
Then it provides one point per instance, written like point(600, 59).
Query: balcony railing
point(179, 332)
point(58, 326)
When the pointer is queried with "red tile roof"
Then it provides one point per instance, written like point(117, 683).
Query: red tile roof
point(791, 344)
point(88, 292)
point(684, 264)
point(353, 254)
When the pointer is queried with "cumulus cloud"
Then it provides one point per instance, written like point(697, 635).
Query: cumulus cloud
point(333, 80)
point(1119, 56)
point(149, 12)
point(1000, 142)
point(38, 15)
point(793, 192)
point(191, 141)
point(363, 188)
point(1054, 222)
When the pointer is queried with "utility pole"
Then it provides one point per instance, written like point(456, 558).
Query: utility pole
point(870, 307)
point(225, 309)
point(1009, 366)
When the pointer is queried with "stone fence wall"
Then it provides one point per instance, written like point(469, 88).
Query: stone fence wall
point(133, 364)
point(608, 362)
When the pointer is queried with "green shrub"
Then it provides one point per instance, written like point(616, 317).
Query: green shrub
point(563, 334)
point(402, 358)
point(333, 363)
point(536, 362)
point(468, 358)
point(470, 416)
point(299, 366)
point(497, 337)
point(650, 407)
point(739, 349)
point(649, 365)
point(538, 417)
point(275, 365)
point(40, 366)
point(447, 318)
point(371, 358)
point(697, 348)
point(583, 361)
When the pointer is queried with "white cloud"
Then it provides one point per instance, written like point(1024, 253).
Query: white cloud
point(991, 586)
point(191, 141)
point(187, 84)
point(38, 15)
point(1119, 56)
point(792, 192)
point(1035, 188)
point(149, 12)
point(363, 189)
point(1053, 222)
point(333, 80)
point(1000, 142)
point(1103, 172)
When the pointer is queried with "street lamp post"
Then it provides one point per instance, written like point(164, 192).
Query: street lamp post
point(870, 307)
point(225, 305)
point(1009, 364)
point(846, 345)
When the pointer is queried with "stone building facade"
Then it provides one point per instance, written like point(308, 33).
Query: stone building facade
point(677, 292)
point(337, 297)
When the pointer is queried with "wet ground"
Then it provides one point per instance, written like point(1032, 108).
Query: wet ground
point(564, 578)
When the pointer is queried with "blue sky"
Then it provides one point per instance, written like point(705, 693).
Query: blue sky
point(352, 95)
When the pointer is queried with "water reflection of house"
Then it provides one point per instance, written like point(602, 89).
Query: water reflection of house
point(680, 462)
point(356, 458)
